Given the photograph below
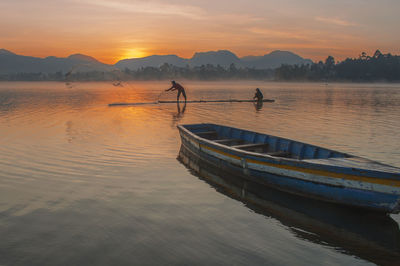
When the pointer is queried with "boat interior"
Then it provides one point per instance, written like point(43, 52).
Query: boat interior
point(262, 143)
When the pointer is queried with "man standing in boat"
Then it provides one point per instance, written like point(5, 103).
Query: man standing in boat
point(179, 88)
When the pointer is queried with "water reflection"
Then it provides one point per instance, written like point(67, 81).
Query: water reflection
point(258, 105)
point(176, 117)
point(29, 100)
point(371, 236)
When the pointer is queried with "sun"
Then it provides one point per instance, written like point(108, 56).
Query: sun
point(134, 53)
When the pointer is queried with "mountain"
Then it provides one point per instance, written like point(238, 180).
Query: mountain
point(223, 58)
point(13, 63)
point(151, 61)
point(274, 59)
point(5, 52)
point(82, 57)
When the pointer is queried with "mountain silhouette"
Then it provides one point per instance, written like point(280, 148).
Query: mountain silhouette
point(274, 59)
point(223, 58)
point(5, 52)
point(13, 63)
point(151, 61)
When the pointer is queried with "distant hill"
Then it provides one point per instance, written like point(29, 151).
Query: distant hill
point(223, 58)
point(5, 52)
point(13, 63)
point(151, 61)
point(274, 59)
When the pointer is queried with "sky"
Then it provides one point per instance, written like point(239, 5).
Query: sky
point(111, 30)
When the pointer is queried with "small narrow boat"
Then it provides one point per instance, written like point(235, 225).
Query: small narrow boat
point(348, 230)
point(196, 101)
point(296, 167)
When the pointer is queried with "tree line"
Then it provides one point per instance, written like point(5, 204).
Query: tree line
point(379, 67)
point(165, 71)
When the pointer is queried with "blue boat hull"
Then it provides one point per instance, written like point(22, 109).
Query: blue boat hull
point(377, 201)
point(352, 230)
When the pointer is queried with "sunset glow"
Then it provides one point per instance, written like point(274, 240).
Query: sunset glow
point(134, 53)
point(111, 30)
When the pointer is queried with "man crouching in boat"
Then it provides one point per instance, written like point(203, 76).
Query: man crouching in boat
point(258, 96)
point(179, 87)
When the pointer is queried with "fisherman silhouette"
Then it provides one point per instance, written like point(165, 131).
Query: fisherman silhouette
point(258, 96)
point(179, 88)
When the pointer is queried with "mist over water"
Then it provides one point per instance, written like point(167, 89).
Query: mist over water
point(84, 183)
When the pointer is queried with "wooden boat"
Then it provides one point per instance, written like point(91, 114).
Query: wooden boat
point(351, 231)
point(296, 167)
point(194, 101)
point(222, 101)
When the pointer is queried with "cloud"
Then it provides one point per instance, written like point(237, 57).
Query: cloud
point(149, 7)
point(276, 33)
point(335, 21)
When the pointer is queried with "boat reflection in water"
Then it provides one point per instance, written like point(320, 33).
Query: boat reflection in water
point(368, 235)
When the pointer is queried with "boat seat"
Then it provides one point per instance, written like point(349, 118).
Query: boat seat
point(251, 146)
point(228, 141)
point(207, 134)
point(279, 153)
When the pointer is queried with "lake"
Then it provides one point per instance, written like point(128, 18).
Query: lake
point(82, 183)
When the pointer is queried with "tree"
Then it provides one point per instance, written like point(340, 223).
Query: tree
point(363, 56)
point(330, 61)
point(377, 54)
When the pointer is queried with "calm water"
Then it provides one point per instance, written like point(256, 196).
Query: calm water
point(84, 183)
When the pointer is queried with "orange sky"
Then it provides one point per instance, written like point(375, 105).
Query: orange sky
point(110, 30)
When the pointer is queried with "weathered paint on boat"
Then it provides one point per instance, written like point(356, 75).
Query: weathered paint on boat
point(297, 167)
point(352, 230)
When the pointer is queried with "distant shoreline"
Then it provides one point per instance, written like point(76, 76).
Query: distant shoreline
point(376, 68)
